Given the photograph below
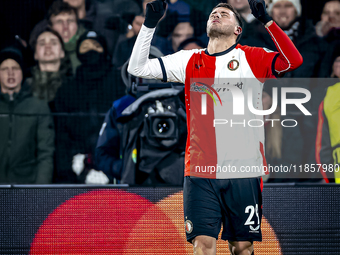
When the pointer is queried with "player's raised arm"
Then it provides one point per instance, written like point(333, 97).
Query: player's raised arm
point(140, 65)
point(289, 57)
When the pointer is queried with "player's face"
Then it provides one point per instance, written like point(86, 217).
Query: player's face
point(284, 13)
point(222, 22)
point(48, 48)
point(10, 75)
point(331, 13)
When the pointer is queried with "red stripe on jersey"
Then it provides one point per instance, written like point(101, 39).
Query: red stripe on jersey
point(231, 65)
point(318, 142)
point(264, 161)
point(201, 141)
point(289, 58)
point(260, 61)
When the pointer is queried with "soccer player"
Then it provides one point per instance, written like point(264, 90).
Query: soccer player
point(213, 198)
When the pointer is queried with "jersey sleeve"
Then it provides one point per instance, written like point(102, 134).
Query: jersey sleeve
point(140, 65)
point(289, 58)
point(170, 68)
point(261, 62)
point(174, 65)
point(268, 64)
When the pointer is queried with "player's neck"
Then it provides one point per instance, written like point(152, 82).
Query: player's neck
point(219, 44)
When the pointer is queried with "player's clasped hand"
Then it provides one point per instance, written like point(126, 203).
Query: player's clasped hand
point(154, 12)
point(258, 9)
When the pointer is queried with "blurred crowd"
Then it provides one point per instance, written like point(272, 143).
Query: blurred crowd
point(62, 68)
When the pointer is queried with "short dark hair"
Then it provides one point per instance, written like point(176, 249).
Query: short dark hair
point(33, 42)
point(191, 40)
point(230, 7)
point(58, 7)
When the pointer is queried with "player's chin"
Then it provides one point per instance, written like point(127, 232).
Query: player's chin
point(213, 32)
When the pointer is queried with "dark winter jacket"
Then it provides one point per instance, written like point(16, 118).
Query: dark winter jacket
point(45, 85)
point(128, 147)
point(26, 139)
point(109, 150)
point(84, 102)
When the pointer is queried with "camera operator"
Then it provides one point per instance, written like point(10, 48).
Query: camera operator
point(143, 136)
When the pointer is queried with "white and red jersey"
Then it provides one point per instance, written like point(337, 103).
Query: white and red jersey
point(216, 151)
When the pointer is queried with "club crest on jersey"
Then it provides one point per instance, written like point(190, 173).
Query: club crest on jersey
point(233, 65)
point(188, 226)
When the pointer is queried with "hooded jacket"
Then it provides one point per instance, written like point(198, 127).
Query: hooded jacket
point(27, 139)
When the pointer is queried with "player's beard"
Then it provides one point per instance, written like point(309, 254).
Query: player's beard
point(220, 31)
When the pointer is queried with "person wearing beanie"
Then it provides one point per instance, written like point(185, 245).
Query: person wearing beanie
point(92, 92)
point(26, 127)
point(287, 14)
point(288, 4)
point(52, 67)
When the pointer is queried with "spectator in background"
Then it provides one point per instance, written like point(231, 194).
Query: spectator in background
point(286, 13)
point(253, 31)
point(80, 6)
point(124, 46)
point(95, 88)
point(87, 13)
point(169, 45)
point(328, 136)
point(63, 18)
point(26, 127)
point(298, 142)
point(242, 6)
point(179, 11)
point(108, 151)
point(203, 6)
point(92, 16)
point(191, 43)
point(329, 25)
point(327, 70)
point(113, 153)
point(52, 67)
point(116, 15)
point(182, 31)
point(181, 8)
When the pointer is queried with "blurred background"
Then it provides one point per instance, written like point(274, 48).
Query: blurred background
point(70, 113)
